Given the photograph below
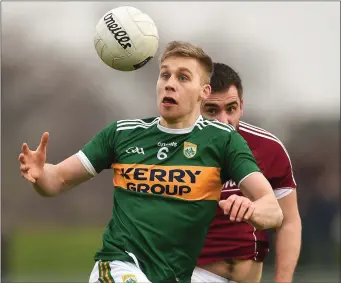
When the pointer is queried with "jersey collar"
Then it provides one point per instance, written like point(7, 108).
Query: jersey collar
point(178, 131)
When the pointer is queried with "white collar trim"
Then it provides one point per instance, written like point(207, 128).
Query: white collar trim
point(178, 131)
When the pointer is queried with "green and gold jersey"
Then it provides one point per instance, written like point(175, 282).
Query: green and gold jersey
point(167, 187)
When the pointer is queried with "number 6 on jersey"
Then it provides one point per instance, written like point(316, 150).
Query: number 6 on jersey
point(161, 154)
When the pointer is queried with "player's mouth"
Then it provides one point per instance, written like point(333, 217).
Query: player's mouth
point(169, 101)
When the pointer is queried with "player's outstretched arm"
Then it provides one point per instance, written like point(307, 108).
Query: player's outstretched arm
point(266, 210)
point(47, 179)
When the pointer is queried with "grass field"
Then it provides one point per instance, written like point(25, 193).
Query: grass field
point(52, 255)
point(66, 255)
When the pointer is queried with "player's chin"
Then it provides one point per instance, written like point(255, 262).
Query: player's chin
point(169, 113)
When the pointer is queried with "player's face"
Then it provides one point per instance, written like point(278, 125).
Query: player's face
point(180, 88)
point(225, 106)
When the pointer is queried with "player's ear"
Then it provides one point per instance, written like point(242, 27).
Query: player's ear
point(206, 91)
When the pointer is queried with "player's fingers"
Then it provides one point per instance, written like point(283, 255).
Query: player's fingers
point(226, 204)
point(249, 212)
point(43, 142)
point(242, 209)
point(235, 208)
point(23, 168)
point(25, 149)
point(21, 158)
point(28, 177)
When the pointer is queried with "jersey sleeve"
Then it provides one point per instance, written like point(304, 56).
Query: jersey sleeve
point(99, 153)
point(238, 160)
point(280, 173)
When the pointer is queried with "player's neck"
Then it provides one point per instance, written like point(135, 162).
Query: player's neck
point(181, 123)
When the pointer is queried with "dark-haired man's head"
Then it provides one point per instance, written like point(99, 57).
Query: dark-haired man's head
point(225, 103)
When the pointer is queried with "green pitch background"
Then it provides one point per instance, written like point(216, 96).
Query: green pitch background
point(66, 255)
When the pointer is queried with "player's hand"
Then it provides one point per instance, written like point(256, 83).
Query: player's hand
point(238, 207)
point(32, 162)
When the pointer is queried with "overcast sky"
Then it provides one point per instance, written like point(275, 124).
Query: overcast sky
point(287, 53)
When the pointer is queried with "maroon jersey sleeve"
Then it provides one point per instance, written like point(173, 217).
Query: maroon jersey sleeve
point(279, 170)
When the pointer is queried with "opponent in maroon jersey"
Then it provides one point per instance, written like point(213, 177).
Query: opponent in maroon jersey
point(233, 249)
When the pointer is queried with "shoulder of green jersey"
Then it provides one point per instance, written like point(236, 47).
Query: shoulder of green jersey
point(228, 126)
point(216, 124)
point(86, 163)
point(135, 123)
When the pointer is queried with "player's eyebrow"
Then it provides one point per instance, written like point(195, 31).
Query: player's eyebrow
point(231, 103)
point(182, 69)
point(210, 104)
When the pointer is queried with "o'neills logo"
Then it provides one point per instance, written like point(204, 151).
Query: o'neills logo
point(119, 33)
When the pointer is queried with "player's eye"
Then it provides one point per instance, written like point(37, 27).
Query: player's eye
point(212, 111)
point(164, 75)
point(182, 78)
point(231, 110)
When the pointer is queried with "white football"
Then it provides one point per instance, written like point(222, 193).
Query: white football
point(126, 39)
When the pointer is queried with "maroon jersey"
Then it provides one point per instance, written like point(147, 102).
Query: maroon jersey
point(239, 240)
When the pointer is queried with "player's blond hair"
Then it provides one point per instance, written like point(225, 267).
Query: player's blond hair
point(185, 49)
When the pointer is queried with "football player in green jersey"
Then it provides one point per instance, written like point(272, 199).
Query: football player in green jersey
point(168, 175)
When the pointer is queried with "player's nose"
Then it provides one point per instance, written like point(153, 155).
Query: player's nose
point(170, 84)
point(170, 88)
